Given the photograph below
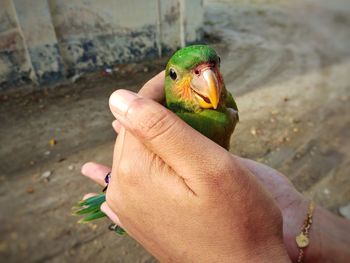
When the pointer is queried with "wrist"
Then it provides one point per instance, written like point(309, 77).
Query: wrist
point(313, 251)
point(269, 248)
point(269, 253)
point(294, 216)
point(329, 235)
point(333, 234)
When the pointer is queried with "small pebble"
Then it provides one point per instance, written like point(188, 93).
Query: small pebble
point(108, 70)
point(71, 167)
point(274, 112)
point(345, 211)
point(92, 226)
point(30, 190)
point(326, 191)
point(52, 142)
point(253, 131)
point(46, 174)
point(256, 131)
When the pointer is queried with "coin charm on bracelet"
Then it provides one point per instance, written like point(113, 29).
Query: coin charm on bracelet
point(302, 240)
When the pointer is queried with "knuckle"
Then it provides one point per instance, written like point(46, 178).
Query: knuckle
point(225, 162)
point(219, 166)
point(218, 180)
point(155, 123)
point(222, 173)
point(124, 168)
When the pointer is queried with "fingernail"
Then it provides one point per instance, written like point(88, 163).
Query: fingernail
point(120, 101)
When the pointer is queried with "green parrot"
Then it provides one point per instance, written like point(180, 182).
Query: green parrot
point(195, 91)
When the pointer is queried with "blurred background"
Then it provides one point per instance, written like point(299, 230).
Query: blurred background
point(286, 62)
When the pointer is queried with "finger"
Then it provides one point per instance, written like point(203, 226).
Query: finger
point(154, 88)
point(96, 172)
point(116, 126)
point(110, 214)
point(165, 134)
point(89, 195)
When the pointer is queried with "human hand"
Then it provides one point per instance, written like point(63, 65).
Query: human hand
point(291, 203)
point(182, 196)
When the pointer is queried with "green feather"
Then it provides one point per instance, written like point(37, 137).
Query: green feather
point(90, 208)
point(97, 199)
point(86, 210)
point(189, 57)
point(92, 216)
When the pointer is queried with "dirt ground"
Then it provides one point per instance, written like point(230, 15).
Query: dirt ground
point(287, 63)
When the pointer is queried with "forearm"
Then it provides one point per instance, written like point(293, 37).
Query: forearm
point(332, 237)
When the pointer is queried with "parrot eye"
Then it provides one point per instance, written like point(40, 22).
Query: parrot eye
point(172, 74)
point(219, 59)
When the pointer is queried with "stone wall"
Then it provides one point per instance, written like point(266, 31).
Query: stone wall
point(45, 41)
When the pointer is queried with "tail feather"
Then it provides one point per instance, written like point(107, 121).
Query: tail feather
point(92, 216)
point(90, 209)
point(97, 199)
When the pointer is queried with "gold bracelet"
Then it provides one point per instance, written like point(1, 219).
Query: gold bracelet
point(303, 239)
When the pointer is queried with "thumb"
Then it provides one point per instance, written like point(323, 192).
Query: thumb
point(165, 134)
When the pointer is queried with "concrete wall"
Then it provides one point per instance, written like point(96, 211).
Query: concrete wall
point(44, 41)
point(15, 64)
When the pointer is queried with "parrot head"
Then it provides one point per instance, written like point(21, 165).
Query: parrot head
point(193, 80)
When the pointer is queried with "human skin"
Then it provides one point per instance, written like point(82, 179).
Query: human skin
point(245, 174)
point(182, 196)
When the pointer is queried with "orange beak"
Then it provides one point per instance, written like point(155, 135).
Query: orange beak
point(206, 88)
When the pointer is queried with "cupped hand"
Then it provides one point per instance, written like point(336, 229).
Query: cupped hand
point(183, 197)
